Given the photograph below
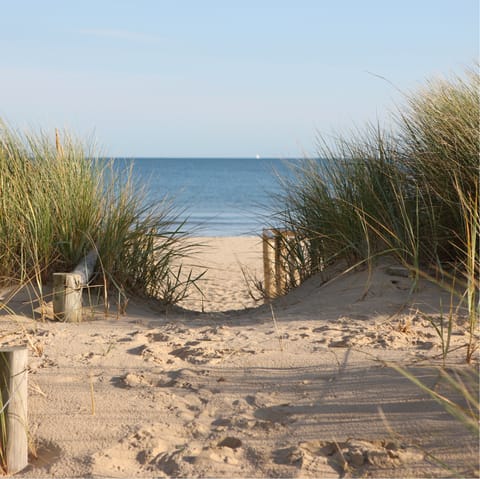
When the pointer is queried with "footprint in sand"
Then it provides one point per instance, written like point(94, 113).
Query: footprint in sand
point(155, 353)
point(180, 378)
point(277, 414)
point(158, 337)
point(167, 462)
point(132, 380)
point(345, 342)
point(47, 454)
point(352, 456)
point(141, 453)
point(252, 413)
point(195, 353)
point(228, 451)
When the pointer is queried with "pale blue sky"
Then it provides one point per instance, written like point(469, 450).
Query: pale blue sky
point(222, 78)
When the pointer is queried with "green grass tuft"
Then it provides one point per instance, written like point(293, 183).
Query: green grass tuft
point(56, 204)
point(412, 193)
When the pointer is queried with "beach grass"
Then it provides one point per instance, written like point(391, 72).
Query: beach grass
point(59, 201)
point(411, 193)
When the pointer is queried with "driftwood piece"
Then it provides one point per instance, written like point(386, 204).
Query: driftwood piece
point(13, 377)
point(67, 289)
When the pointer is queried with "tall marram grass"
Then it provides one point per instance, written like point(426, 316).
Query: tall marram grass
point(330, 202)
point(412, 193)
point(440, 148)
point(56, 204)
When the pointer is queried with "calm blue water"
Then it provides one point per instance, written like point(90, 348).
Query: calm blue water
point(221, 196)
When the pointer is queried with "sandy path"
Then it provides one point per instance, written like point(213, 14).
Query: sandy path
point(181, 394)
point(223, 287)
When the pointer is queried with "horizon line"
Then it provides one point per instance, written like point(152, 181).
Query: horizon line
point(174, 157)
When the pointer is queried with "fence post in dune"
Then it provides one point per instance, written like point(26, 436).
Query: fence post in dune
point(267, 268)
point(67, 297)
point(275, 270)
point(278, 264)
point(67, 289)
point(14, 395)
point(283, 265)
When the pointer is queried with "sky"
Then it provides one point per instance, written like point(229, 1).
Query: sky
point(229, 78)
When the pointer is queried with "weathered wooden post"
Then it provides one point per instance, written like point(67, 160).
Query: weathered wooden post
point(67, 297)
point(14, 392)
point(267, 264)
point(275, 269)
point(67, 289)
point(285, 267)
point(279, 262)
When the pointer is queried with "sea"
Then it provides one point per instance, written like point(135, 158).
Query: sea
point(214, 196)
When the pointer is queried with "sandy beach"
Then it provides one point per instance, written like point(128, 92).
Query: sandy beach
point(227, 262)
point(297, 388)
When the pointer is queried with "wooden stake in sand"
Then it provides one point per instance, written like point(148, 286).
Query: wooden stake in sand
point(275, 271)
point(13, 382)
point(67, 289)
point(268, 272)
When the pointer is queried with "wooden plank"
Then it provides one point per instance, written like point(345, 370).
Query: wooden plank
point(13, 374)
point(86, 267)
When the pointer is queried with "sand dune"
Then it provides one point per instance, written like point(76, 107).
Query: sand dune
point(185, 394)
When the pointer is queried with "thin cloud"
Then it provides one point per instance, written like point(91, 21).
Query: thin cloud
point(126, 35)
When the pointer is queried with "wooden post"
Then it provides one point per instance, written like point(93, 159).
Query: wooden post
point(275, 269)
point(67, 289)
point(13, 377)
point(267, 269)
point(278, 268)
point(285, 268)
point(67, 297)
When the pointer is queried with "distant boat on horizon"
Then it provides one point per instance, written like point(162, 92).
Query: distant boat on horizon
point(257, 156)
